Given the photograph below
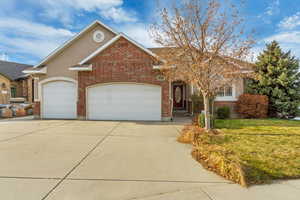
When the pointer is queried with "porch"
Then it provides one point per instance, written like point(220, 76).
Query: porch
point(181, 93)
point(186, 102)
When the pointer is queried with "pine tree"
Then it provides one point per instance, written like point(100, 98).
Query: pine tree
point(278, 78)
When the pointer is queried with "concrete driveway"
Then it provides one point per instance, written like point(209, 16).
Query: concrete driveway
point(70, 160)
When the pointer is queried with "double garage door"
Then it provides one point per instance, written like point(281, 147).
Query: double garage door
point(119, 101)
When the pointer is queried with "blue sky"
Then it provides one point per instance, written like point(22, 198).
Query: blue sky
point(31, 29)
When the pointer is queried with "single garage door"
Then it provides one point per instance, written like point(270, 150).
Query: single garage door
point(59, 100)
point(127, 101)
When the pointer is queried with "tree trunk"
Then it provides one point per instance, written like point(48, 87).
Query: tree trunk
point(206, 102)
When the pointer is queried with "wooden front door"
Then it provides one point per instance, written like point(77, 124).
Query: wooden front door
point(178, 98)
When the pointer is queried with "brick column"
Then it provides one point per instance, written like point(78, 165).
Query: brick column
point(37, 110)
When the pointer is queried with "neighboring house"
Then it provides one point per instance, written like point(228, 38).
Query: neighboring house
point(4, 89)
point(102, 74)
point(14, 83)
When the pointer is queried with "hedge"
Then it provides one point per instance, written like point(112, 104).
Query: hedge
point(253, 106)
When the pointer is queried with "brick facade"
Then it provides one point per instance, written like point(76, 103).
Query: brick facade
point(37, 109)
point(121, 62)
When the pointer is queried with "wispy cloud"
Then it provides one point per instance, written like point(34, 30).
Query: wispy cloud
point(273, 8)
point(33, 39)
point(290, 22)
point(288, 40)
point(285, 37)
point(118, 15)
point(67, 9)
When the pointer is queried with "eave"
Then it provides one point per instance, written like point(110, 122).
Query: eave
point(81, 68)
point(36, 71)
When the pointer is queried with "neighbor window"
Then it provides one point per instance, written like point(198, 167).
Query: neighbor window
point(13, 92)
point(225, 92)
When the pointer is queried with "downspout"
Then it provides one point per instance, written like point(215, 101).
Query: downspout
point(192, 93)
point(171, 99)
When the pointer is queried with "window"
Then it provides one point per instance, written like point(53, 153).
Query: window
point(13, 92)
point(3, 86)
point(225, 92)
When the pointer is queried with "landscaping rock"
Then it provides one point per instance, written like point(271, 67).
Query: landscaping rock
point(20, 112)
point(6, 113)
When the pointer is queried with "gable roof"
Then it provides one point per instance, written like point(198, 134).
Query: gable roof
point(69, 42)
point(13, 70)
point(113, 40)
point(244, 65)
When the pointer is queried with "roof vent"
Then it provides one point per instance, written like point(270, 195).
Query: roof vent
point(98, 36)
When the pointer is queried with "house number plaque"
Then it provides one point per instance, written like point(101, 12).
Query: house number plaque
point(160, 78)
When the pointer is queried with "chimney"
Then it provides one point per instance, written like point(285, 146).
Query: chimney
point(4, 56)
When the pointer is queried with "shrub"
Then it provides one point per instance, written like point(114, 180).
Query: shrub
point(223, 112)
point(201, 120)
point(253, 106)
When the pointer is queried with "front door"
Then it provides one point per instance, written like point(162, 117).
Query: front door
point(178, 101)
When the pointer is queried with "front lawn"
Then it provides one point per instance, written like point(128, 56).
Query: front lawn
point(256, 151)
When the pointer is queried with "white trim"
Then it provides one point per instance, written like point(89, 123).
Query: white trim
point(52, 79)
point(116, 38)
point(161, 66)
point(87, 68)
point(41, 71)
point(36, 90)
point(73, 39)
point(192, 89)
point(156, 67)
point(57, 78)
point(228, 98)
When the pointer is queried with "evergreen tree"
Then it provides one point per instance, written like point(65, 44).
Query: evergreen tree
point(278, 78)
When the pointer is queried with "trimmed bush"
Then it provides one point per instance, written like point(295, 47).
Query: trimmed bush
point(253, 106)
point(201, 120)
point(223, 112)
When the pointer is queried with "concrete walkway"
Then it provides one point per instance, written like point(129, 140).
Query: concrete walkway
point(91, 160)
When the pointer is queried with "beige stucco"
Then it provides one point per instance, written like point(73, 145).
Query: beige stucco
point(4, 89)
point(58, 66)
point(239, 87)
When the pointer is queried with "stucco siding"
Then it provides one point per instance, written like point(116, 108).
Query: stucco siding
point(239, 86)
point(73, 54)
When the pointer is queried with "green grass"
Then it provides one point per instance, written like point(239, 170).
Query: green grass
point(269, 148)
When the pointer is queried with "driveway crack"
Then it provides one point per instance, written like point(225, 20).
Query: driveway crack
point(85, 157)
point(32, 132)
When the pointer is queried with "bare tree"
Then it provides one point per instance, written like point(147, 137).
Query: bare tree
point(205, 45)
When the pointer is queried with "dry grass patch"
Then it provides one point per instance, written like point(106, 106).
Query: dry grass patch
point(251, 151)
point(187, 134)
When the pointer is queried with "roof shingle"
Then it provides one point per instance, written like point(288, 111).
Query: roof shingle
point(13, 70)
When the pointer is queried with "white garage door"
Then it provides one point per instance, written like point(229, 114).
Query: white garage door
point(126, 101)
point(59, 100)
